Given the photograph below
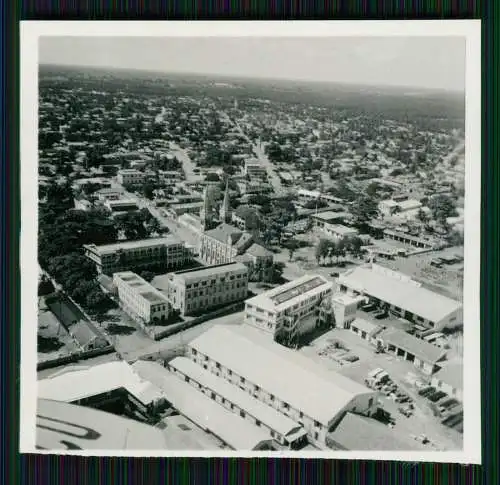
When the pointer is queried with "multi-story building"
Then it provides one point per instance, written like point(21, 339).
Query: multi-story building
point(281, 378)
point(165, 252)
point(142, 301)
point(197, 290)
point(255, 170)
point(290, 310)
point(402, 296)
point(281, 428)
point(130, 176)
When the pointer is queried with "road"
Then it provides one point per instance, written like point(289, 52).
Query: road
point(174, 345)
point(259, 152)
point(181, 154)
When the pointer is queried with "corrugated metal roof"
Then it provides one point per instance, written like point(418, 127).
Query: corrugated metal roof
point(417, 300)
point(264, 413)
point(234, 430)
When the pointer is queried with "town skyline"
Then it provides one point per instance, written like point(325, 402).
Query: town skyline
point(374, 62)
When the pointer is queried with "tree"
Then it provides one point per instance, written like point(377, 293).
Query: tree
point(292, 245)
point(148, 190)
point(96, 300)
point(442, 207)
point(422, 216)
point(364, 210)
point(212, 177)
point(147, 275)
point(322, 249)
point(354, 244)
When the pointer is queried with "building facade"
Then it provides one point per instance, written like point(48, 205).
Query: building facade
point(198, 290)
point(401, 296)
point(130, 176)
point(166, 252)
point(281, 379)
point(290, 310)
point(140, 300)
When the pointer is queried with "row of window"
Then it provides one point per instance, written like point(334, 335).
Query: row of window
point(255, 388)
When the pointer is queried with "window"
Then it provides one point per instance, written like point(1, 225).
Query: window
point(242, 413)
point(186, 378)
point(272, 434)
point(271, 397)
point(242, 380)
point(316, 435)
point(212, 395)
point(230, 372)
point(217, 365)
point(286, 405)
point(257, 422)
point(316, 424)
point(193, 351)
point(370, 402)
point(301, 414)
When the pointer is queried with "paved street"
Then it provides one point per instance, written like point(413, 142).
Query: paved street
point(175, 343)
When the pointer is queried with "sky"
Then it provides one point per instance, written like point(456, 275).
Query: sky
point(421, 62)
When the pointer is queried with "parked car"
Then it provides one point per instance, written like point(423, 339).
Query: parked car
point(405, 411)
point(381, 315)
point(335, 274)
point(436, 396)
point(448, 404)
point(426, 390)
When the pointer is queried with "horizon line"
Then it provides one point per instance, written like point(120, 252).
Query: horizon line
point(264, 78)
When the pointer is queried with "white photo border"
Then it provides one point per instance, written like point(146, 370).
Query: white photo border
point(31, 31)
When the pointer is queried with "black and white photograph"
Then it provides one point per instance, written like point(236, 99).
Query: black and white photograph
point(251, 240)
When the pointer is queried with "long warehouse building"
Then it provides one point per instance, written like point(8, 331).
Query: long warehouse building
point(284, 380)
point(281, 428)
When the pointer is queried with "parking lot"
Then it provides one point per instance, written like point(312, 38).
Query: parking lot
point(422, 419)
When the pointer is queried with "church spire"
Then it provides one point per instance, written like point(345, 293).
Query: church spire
point(225, 209)
point(206, 209)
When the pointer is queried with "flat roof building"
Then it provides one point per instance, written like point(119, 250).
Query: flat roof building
point(198, 290)
point(288, 311)
point(130, 176)
point(164, 252)
point(281, 378)
point(142, 301)
point(404, 296)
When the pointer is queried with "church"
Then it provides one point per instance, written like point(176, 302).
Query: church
point(222, 242)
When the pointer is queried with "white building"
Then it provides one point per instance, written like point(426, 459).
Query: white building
point(255, 170)
point(281, 428)
point(344, 309)
point(167, 252)
point(91, 386)
point(449, 379)
point(142, 301)
point(402, 296)
point(234, 431)
point(123, 205)
point(130, 176)
point(198, 290)
point(292, 384)
point(422, 354)
point(290, 310)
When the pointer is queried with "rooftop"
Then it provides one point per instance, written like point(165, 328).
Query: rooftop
point(131, 245)
point(258, 251)
point(237, 432)
point(145, 289)
point(418, 347)
point(360, 433)
point(95, 430)
point(343, 230)
point(319, 393)
point(202, 273)
point(452, 373)
point(365, 325)
point(264, 413)
point(223, 232)
point(407, 295)
point(291, 292)
point(83, 382)
point(329, 215)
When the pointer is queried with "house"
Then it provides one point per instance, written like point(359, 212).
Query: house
point(365, 329)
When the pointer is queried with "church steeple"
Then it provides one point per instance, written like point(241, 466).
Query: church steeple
point(225, 209)
point(206, 209)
